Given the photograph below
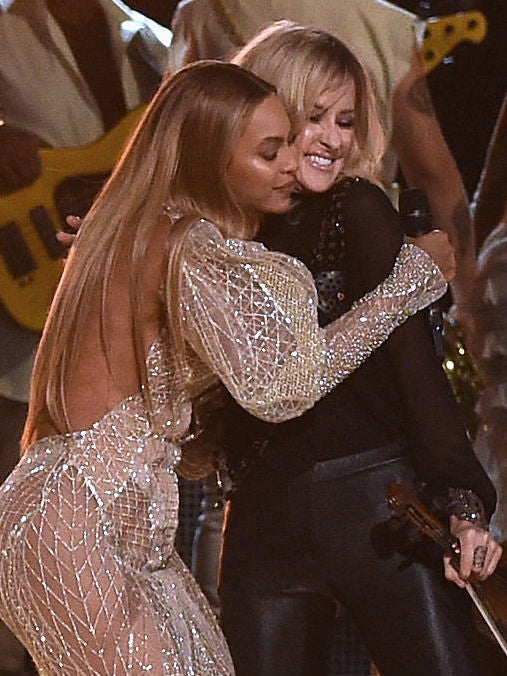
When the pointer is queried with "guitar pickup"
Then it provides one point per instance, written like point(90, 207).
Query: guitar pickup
point(15, 251)
point(46, 231)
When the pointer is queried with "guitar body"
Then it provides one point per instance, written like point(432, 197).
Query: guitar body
point(30, 254)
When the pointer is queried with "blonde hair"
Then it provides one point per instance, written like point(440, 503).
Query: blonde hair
point(304, 62)
point(178, 156)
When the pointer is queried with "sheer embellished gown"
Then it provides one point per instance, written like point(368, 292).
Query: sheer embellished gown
point(89, 577)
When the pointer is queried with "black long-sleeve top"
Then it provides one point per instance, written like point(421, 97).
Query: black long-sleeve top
point(349, 238)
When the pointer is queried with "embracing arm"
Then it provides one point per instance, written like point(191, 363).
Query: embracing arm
point(430, 416)
point(427, 163)
point(251, 315)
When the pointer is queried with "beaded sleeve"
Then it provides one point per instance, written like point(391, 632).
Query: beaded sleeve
point(467, 506)
point(251, 316)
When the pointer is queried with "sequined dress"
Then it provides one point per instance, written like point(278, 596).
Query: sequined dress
point(89, 577)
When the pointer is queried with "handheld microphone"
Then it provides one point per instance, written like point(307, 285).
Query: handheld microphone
point(417, 220)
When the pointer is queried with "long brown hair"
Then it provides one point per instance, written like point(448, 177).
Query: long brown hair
point(303, 62)
point(177, 156)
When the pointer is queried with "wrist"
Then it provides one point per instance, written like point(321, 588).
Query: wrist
point(465, 505)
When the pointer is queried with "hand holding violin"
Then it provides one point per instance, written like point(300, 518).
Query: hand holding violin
point(479, 553)
point(472, 558)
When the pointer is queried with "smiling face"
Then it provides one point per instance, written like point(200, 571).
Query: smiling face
point(329, 99)
point(324, 144)
point(261, 170)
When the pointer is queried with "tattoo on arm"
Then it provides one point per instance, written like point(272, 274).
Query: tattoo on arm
point(420, 98)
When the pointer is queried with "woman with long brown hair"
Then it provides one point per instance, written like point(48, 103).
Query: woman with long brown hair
point(162, 295)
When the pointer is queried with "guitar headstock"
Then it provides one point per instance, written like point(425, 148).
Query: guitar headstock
point(444, 33)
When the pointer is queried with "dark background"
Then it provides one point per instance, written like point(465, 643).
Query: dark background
point(469, 86)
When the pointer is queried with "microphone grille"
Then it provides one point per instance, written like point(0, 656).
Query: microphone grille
point(413, 201)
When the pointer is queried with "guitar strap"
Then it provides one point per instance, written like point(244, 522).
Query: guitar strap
point(145, 72)
point(92, 48)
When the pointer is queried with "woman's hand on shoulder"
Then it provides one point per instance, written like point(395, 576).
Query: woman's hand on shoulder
point(436, 243)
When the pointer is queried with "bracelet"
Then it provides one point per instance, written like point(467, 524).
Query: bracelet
point(466, 506)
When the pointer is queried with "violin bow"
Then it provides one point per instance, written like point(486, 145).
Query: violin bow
point(405, 502)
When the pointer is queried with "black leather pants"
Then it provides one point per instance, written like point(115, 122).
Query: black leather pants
point(296, 547)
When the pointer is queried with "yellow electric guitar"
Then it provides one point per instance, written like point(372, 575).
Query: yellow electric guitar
point(444, 33)
point(30, 254)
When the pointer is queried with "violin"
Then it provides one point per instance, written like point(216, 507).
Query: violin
point(489, 596)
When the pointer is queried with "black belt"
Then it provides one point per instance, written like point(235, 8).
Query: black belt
point(358, 462)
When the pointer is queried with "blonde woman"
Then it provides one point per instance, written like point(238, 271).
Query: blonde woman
point(162, 296)
point(307, 525)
